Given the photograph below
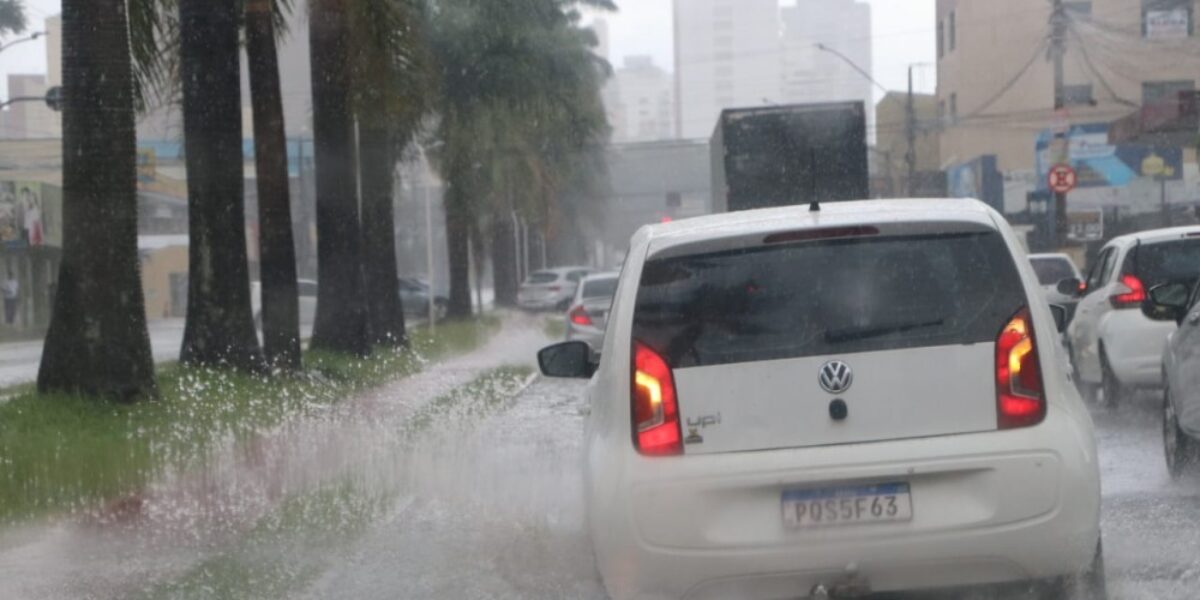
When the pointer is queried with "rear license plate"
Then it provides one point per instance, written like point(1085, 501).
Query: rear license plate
point(847, 505)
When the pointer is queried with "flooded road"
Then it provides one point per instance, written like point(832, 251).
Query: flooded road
point(463, 482)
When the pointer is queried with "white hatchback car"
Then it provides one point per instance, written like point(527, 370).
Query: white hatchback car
point(551, 289)
point(835, 403)
point(1113, 345)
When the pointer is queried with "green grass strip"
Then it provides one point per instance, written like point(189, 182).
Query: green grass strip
point(62, 453)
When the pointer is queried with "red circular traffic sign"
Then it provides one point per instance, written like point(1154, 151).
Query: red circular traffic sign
point(1061, 179)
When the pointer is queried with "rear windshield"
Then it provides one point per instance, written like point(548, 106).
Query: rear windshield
point(1165, 261)
point(543, 277)
point(1052, 270)
point(600, 288)
point(829, 297)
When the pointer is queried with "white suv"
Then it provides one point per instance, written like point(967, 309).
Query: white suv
point(865, 398)
point(1113, 345)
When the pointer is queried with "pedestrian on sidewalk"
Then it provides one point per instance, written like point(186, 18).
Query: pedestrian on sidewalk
point(12, 295)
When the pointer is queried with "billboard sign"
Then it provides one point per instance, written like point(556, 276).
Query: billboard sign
point(1085, 225)
point(23, 215)
point(1099, 164)
point(1173, 24)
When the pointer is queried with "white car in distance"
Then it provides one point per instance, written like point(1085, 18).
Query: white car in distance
point(588, 315)
point(1114, 346)
point(858, 399)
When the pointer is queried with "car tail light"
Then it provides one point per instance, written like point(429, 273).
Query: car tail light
point(1020, 399)
point(1134, 295)
point(579, 316)
point(554, 288)
point(654, 404)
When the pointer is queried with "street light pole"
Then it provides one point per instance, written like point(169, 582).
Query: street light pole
point(428, 237)
point(35, 35)
point(910, 115)
point(910, 130)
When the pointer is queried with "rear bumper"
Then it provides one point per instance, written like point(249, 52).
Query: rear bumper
point(539, 303)
point(1133, 345)
point(986, 509)
point(594, 337)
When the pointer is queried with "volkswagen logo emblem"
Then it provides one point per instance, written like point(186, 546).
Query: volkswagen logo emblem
point(835, 377)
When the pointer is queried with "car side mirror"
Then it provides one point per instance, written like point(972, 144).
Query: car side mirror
point(1060, 317)
point(1071, 287)
point(1167, 302)
point(567, 359)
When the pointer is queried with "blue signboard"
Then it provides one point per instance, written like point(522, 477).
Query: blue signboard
point(978, 178)
point(1100, 164)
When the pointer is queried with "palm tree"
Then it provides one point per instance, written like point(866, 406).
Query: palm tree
point(97, 343)
point(220, 324)
point(520, 107)
point(341, 322)
point(280, 293)
point(12, 17)
point(390, 71)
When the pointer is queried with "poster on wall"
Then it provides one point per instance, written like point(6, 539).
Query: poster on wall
point(22, 223)
point(1099, 164)
point(978, 178)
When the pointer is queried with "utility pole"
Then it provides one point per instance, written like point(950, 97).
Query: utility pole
point(910, 127)
point(1058, 48)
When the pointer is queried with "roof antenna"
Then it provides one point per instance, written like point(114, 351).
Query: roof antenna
point(814, 205)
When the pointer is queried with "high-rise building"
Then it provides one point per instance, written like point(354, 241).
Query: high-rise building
point(813, 75)
point(641, 101)
point(727, 54)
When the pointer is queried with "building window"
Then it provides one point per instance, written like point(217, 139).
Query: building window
point(723, 25)
point(953, 107)
point(725, 41)
point(1078, 95)
point(1161, 91)
point(1078, 8)
point(951, 34)
point(723, 86)
point(941, 110)
point(1167, 19)
point(941, 31)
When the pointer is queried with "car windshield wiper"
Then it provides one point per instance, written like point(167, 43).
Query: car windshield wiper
point(850, 334)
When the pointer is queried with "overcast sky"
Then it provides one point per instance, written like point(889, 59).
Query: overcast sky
point(902, 31)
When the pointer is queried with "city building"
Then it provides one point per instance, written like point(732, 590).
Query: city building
point(653, 182)
point(891, 146)
point(641, 101)
point(814, 75)
point(727, 54)
point(996, 99)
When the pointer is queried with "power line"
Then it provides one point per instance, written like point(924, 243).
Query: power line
point(1037, 52)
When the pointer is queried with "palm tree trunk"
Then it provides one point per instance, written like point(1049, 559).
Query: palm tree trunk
point(341, 323)
point(458, 232)
point(220, 326)
point(97, 343)
point(504, 259)
point(376, 166)
point(277, 266)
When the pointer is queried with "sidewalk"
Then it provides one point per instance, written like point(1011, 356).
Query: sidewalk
point(167, 538)
point(19, 361)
